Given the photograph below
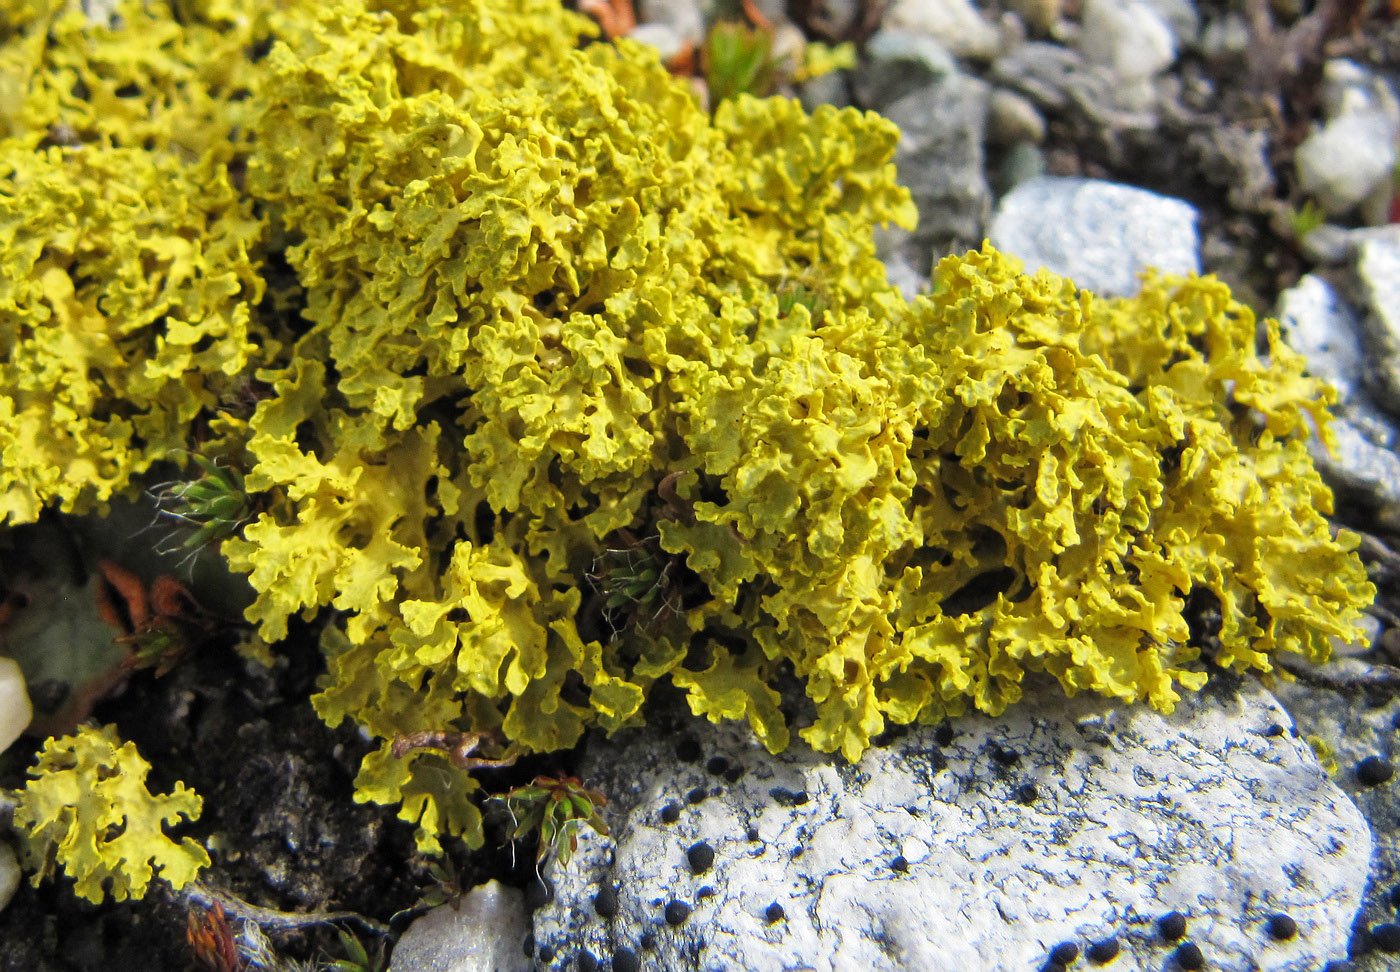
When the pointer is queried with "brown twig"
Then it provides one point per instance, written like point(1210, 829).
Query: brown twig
point(459, 747)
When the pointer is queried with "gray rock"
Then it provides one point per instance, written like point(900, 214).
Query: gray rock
point(1349, 161)
point(1378, 272)
point(1059, 79)
point(1100, 234)
point(1128, 38)
point(486, 932)
point(9, 873)
point(1322, 327)
point(661, 36)
point(1181, 18)
point(1063, 820)
point(1330, 244)
point(897, 63)
point(954, 24)
point(1354, 727)
point(685, 18)
point(941, 156)
point(1012, 120)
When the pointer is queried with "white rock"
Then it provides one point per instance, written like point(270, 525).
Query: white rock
point(1378, 269)
point(9, 874)
point(1128, 38)
point(1349, 162)
point(1346, 160)
point(937, 858)
point(485, 933)
point(1322, 327)
point(955, 24)
point(661, 36)
point(1100, 234)
point(686, 18)
point(15, 710)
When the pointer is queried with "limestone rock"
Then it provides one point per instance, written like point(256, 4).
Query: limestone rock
point(1100, 234)
point(981, 847)
point(486, 932)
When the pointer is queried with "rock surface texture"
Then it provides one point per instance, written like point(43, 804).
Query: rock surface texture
point(483, 933)
point(981, 844)
point(1100, 234)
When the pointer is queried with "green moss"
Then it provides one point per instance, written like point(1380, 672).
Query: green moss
point(547, 303)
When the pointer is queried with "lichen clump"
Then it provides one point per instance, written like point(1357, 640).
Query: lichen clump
point(475, 305)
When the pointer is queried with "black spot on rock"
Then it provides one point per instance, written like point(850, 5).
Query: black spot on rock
point(670, 813)
point(695, 796)
point(1281, 927)
point(751, 835)
point(943, 735)
point(717, 765)
point(605, 902)
point(1064, 953)
point(625, 960)
point(647, 941)
point(587, 962)
point(1005, 755)
point(1027, 793)
point(676, 913)
point(1386, 937)
point(900, 864)
point(1395, 897)
point(1275, 730)
point(1189, 957)
point(528, 946)
point(774, 913)
point(538, 893)
point(546, 953)
point(1374, 770)
point(734, 774)
point(787, 798)
point(687, 751)
point(705, 892)
point(1172, 926)
point(1103, 951)
point(701, 857)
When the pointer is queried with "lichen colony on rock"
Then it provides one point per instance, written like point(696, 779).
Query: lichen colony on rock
point(472, 305)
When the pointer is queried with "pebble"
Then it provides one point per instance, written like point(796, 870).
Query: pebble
point(1100, 234)
point(482, 932)
point(1349, 162)
point(9, 873)
point(1013, 119)
point(954, 24)
point(15, 710)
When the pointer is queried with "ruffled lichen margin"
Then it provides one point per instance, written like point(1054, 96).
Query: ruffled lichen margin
point(477, 304)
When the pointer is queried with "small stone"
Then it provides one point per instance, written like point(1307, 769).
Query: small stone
point(605, 902)
point(1374, 770)
point(1012, 119)
point(701, 857)
point(1064, 953)
point(1189, 957)
point(1103, 951)
point(774, 913)
point(1281, 927)
point(676, 913)
point(9, 873)
point(625, 960)
point(1172, 926)
point(1386, 937)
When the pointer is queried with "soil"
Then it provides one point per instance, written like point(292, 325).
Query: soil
point(277, 782)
